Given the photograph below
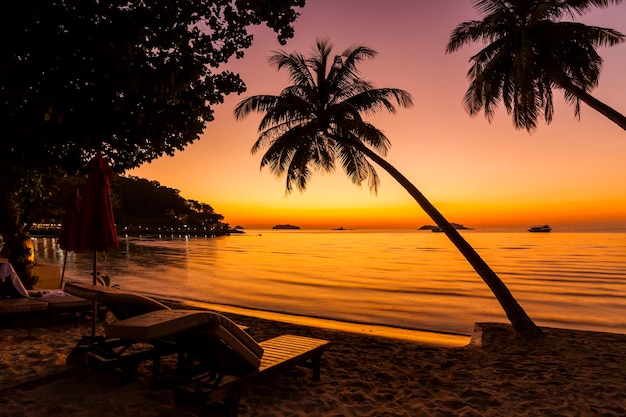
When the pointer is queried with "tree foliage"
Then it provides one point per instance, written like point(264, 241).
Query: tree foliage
point(138, 202)
point(528, 52)
point(132, 80)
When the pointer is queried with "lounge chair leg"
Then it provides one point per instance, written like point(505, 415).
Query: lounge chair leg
point(129, 370)
point(182, 359)
point(232, 404)
point(316, 365)
point(156, 370)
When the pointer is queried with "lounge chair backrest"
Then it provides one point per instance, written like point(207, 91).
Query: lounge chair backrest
point(122, 304)
point(49, 277)
point(194, 325)
point(232, 330)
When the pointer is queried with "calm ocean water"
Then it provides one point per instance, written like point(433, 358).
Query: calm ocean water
point(399, 278)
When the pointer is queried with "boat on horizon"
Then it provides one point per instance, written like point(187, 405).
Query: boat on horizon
point(540, 229)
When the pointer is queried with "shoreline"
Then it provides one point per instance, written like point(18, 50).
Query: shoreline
point(448, 339)
point(571, 372)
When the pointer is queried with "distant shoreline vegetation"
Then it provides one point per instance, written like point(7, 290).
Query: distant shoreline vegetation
point(52, 230)
point(142, 207)
point(220, 229)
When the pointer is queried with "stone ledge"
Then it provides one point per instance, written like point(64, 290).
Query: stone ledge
point(489, 334)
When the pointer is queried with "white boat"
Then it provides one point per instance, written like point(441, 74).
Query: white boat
point(540, 229)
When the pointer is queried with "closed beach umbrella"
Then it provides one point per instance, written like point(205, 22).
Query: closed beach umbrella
point(97, 226)
point(69, 235)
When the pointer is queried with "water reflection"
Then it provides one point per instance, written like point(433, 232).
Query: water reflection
point(398, 278)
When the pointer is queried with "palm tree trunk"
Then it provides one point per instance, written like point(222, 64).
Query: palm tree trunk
point(521, 322)
point(607, 111)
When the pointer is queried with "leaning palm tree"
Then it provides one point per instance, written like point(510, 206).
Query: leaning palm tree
point(528, 52)
point(318, 120)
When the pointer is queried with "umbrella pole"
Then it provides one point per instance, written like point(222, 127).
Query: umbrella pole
point(95, 303)
point(63, 272)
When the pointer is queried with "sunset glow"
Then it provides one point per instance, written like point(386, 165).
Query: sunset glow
point(569, 174)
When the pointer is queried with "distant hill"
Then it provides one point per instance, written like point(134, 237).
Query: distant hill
point(140, 206)
point(143, 206)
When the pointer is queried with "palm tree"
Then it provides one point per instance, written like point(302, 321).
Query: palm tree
point(528, 52)
point(318, 120)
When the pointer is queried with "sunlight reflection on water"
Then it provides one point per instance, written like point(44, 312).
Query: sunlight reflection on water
point(408, 279)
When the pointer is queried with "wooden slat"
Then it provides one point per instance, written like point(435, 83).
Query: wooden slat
point(289, 348)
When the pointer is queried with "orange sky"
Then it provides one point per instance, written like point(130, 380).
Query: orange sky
point(568, 174)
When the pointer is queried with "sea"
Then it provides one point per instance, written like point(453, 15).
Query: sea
point(393, 282)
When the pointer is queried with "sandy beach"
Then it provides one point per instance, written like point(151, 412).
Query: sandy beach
point(570, 373)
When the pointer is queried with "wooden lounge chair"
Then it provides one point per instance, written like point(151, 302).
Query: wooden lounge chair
point(49, 288)
point(126, 354)
point(14, 306)
point(217, 360)
point(46, 300)
point(122, 304)
point(116, 353)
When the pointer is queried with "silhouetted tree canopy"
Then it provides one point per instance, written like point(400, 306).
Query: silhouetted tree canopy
point(136, 202)
point(132, 79)
point(140, 202)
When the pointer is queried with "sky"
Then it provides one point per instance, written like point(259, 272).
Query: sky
point(570, 174)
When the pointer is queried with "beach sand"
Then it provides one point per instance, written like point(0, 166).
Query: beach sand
point(570, 373)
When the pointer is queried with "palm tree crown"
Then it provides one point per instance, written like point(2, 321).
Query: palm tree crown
point(316, 121)
point(528, 52)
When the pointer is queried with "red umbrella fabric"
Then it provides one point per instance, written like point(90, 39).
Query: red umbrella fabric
point(97, 226)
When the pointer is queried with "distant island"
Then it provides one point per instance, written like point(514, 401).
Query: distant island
point(285, 226)
point(432, 228)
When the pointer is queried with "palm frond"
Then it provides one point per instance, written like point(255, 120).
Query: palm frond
point(260, 103)
point(548, 107)
point(289, 109)
point(574, 100)
point(267, 137)
point(321, 117)
point(574, 8)
point(529, 52)
point(372, 101)
point(298, 172)
point(296, 65)
point(464, 34)
point(357, 167)
point(351, 57)
point(373, 137)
